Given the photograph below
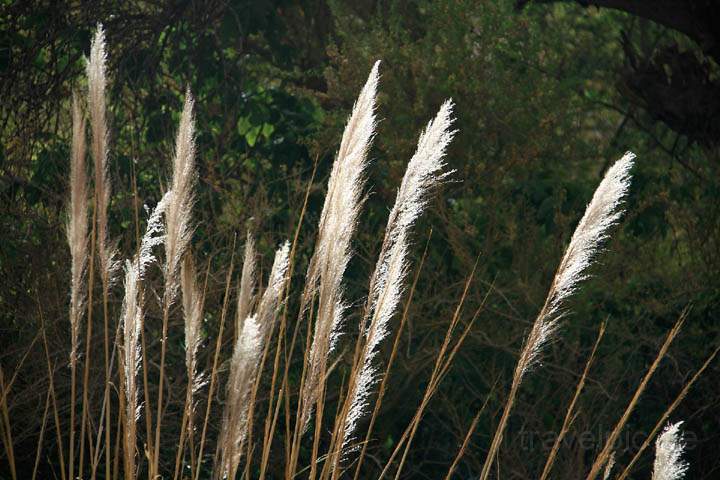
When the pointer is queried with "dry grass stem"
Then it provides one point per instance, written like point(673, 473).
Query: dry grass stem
point(97, 80)
point(77, 237)
point(192, 311)
point(603, 456)
point(132, 320)
point(570, 414)
point(215, 363)
point(178, 232)
point(667, 413)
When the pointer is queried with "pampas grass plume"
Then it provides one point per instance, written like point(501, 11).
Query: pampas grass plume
point(248, 284)
point(132, 320)
point(97, 80)
point(332, 253)
point(424, 171)
point(602, 212)
point(668, 452)
point(77, 226)
point(244, 366)
point(177, 216)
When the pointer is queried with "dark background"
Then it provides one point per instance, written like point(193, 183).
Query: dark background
point(548, 94)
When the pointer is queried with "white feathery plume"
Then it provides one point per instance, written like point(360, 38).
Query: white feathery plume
point(338, 221)
point(177, 216)
point(272, 296)
point(97, 80)
point(424, 171)
point(132, 318)
point(77, 237)
point(668, 452)
point(603, 211)
point(244, 365)
point(248, 283)
point(77, 226)
point(609, 466)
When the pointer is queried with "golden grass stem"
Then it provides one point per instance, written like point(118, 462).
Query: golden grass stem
point(442, 363)
point(663, 418)
point(6, 429)
point(603, 212)
point(270, 424)
point(570, 414)
point(604, 454)
point(41, 435)
point(213, 371)
point(51, 383)
point(84, 421)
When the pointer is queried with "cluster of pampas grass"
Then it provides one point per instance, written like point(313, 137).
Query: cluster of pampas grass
point(322, 305)
point(132, 322)
point(256, 331)
point(424, 171)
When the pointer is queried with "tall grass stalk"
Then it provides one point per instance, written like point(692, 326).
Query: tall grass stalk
point(603, 211)
point(215, 362)
point(5, 427)
point(53, 396)
point(424, 171)
point(192, 312)
point(97, 80)
point(244, 367)
point(283, 395)
point(178, 232)
point(605, 453)
point(391, 359)
point(132, 321)
point(570, 413)
point(332, 249)
point(77, 236)
point(683, 393)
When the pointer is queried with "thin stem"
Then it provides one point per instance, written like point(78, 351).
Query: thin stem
point(41, 436)
point(51, 381)
point(88, 350)
point(603, 456)
point(570, 414)
point(213, 372)
point(666, 414)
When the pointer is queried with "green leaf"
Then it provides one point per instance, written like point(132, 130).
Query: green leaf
point(267, 130)
point(251, 136)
